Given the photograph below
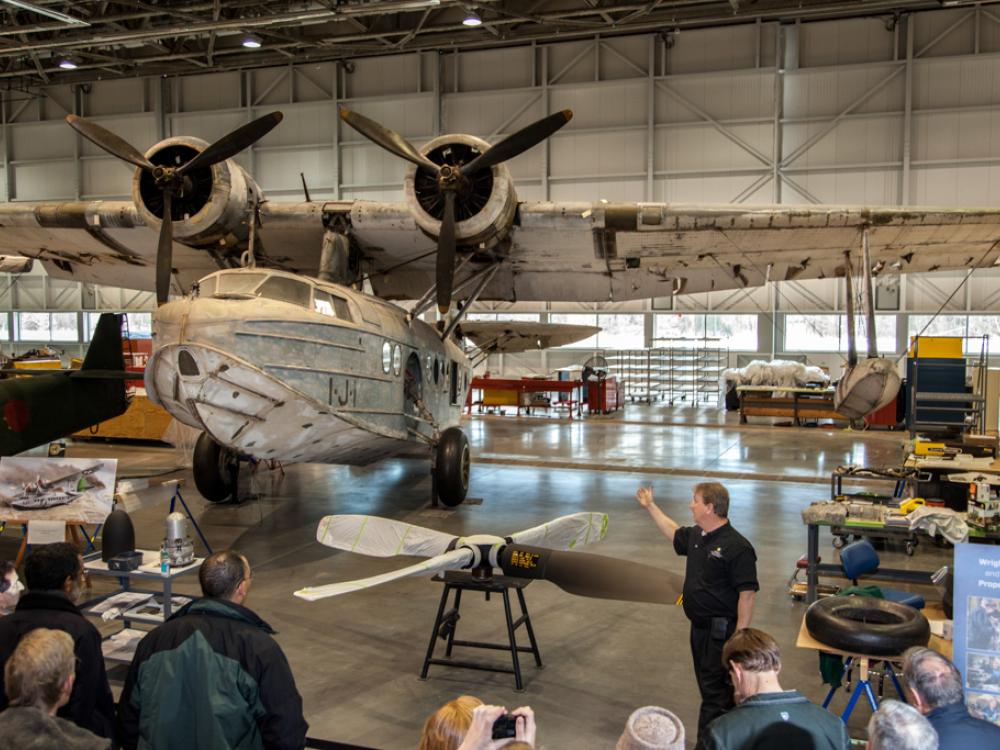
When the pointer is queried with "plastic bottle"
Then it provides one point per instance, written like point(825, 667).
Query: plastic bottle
point(164, 561)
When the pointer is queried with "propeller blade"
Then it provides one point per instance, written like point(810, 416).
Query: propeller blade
point(518, 142)
point(380, 537)
point(446, 254)
point(453, 560)
point(231, 144)
point(164, 250)
point(113, 144)
point(595, 576)
point(565, 532)
point(388, 139)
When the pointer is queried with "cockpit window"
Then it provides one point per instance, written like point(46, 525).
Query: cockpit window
point(330, 304)
point(206, 287)
point(237, 283)
point(285, 289)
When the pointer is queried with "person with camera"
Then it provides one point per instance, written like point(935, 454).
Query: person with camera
point(493, 727)
point(720, 583)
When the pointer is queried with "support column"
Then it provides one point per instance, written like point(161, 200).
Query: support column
point(904, 187)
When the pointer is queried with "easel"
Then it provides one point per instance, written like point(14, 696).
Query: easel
point(177, 496)
point(73, 530)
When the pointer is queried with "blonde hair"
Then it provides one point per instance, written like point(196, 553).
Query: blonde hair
point(446, 728)
point(39, 667)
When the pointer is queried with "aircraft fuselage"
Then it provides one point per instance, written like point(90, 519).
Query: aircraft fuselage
point(280, 366)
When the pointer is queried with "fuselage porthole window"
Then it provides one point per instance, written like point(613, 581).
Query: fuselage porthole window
point(397, 360)
point(386, 357)
point(437, 370)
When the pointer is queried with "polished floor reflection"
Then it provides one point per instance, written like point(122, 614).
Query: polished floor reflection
point(357, 657)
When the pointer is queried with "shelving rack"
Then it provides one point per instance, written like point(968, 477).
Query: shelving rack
point(947, 393)
point(685, 370)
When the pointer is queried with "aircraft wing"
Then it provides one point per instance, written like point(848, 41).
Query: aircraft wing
point(521, 335)
point(557, 251)
point(605, 251)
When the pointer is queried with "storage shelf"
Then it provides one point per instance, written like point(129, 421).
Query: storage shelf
point(688, 371)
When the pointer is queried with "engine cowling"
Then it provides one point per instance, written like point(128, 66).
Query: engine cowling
point(484, 212)
point(216, 205)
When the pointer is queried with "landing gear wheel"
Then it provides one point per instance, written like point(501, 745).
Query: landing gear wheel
point(838, 542)
point(865, 625)
point(216, 469)
point(451, 467)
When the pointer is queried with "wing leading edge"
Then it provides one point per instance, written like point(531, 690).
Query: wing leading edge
point(557, 251)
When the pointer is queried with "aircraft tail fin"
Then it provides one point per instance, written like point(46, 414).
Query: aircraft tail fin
point(105, 352)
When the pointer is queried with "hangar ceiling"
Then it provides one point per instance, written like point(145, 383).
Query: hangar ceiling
point(54, 41)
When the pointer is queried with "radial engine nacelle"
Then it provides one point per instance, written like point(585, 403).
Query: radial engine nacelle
point(484, 212)
point(217, 202)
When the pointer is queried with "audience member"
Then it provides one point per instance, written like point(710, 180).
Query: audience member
point(10, 588)
point(480, 734)
point(652, 728)
point(935, 688)
point(445, 728)
point(54, 576)
point(898, 726)
point(39, 679)
point(766, 715)
point(237, 691)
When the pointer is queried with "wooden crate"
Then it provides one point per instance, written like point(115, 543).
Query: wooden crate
point(143, 420)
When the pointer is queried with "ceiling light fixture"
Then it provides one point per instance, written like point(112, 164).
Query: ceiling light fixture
point(67, 63)
point(46, 12)
point(472, 19)
point(252, 41)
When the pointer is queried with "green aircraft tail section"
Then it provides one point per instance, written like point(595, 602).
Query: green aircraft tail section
point(50, 404)
point(105, 352)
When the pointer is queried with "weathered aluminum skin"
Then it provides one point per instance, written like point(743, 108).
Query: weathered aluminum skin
point(275, 380)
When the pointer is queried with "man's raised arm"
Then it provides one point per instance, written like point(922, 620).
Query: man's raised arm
point(667, 525)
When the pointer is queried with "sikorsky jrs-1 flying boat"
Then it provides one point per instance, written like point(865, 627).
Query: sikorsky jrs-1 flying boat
point(275, 353)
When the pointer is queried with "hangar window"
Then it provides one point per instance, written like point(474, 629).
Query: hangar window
point(386, 356)
point(237, 284)
point(397, 359)
point(283, 289)
point(828, 333)
point(329, 304)
point(734, 332)
point(5, 326)
point(44, 326)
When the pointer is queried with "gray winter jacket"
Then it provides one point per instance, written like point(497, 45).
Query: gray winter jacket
point(27, 728)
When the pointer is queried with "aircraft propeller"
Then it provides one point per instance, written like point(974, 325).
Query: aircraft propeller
point(453, 180)
point(542, 552)
point(170, 180)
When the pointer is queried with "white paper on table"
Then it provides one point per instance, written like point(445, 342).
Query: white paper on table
point(46, 532)
point(124, 600)
point(122, 645)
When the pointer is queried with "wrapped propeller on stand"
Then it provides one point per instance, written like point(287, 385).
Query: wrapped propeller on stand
point(545, 552)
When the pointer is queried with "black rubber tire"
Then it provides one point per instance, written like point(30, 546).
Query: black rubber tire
point(212, 473)
point(866, 625)
point(451, 466)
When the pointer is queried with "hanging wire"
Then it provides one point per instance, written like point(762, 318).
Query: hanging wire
point(951, 296)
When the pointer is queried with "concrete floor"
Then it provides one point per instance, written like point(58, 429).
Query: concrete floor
point(356, 658)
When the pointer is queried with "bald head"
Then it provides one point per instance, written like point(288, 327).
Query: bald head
point(225, 575)
point(932, 679)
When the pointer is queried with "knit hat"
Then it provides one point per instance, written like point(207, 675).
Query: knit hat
point(652, 728)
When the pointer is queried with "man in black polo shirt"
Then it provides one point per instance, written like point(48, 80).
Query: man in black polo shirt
point(720, 583)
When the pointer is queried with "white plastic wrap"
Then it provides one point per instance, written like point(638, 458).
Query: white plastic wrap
point(778, 372)
point(380, 537)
